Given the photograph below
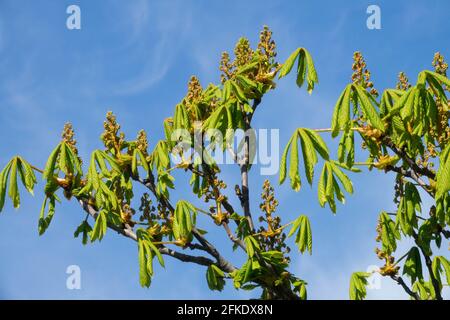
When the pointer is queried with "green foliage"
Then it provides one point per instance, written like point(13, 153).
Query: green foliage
point(409, 205)
point(358, 283)
point(45, 220)
point(305, 68)
point(147, 251)
point(303, 238)
point(17, 166)
point(405, 132)
point(389, 233)
point(100, 226)
point(329, 188)
point(215, 278)
point(354, 94)
point(184, 221)
point(311, 145)
point(413, 265)
point(441, 265)
point(86, 231)
point(443, 173)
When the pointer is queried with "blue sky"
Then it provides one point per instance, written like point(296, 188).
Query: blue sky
point(135, 58)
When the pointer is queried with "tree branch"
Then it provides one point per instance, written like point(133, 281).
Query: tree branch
point(402, 154)
point(222, 263)
point(411, 174)
point(129, 233)
point(405, 287)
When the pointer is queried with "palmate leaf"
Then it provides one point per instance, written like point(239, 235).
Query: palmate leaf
point(329, 187)
point(17, 166)
point(303, 239)
point(341, 119)
point(311, 145)
point(146, 252)
point(358, 283)
point(305, 68)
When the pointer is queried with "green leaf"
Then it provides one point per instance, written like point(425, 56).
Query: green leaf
point(13, 191)
point(238, 92)
point(144, 276)
point(86, 230)
point(358, 283)
point(294, 175)
point(413, 265)
point(226, 93)
point(409, 204)
point(318, 143)
point(312, 74)
point(337, 111)
point(100, 226)
point(45, 220)
point(446, 265)
point(181, 117)
point(389, 233)
point(215, 278)
point(321, 188)
point(288, 64)
point(368, 109)
point(284, 159)
point(303, 238)
point(251, 245)
point(443, 173)
point(184, 219)
point(309, 155)
point(439, 77)
point(157, 252)
point(51, 164)
point(3, 184)
point(27, 175)
point(348, 186)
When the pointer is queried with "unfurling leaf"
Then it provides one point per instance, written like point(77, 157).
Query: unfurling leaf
point(358, 283)
point(303, 238)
